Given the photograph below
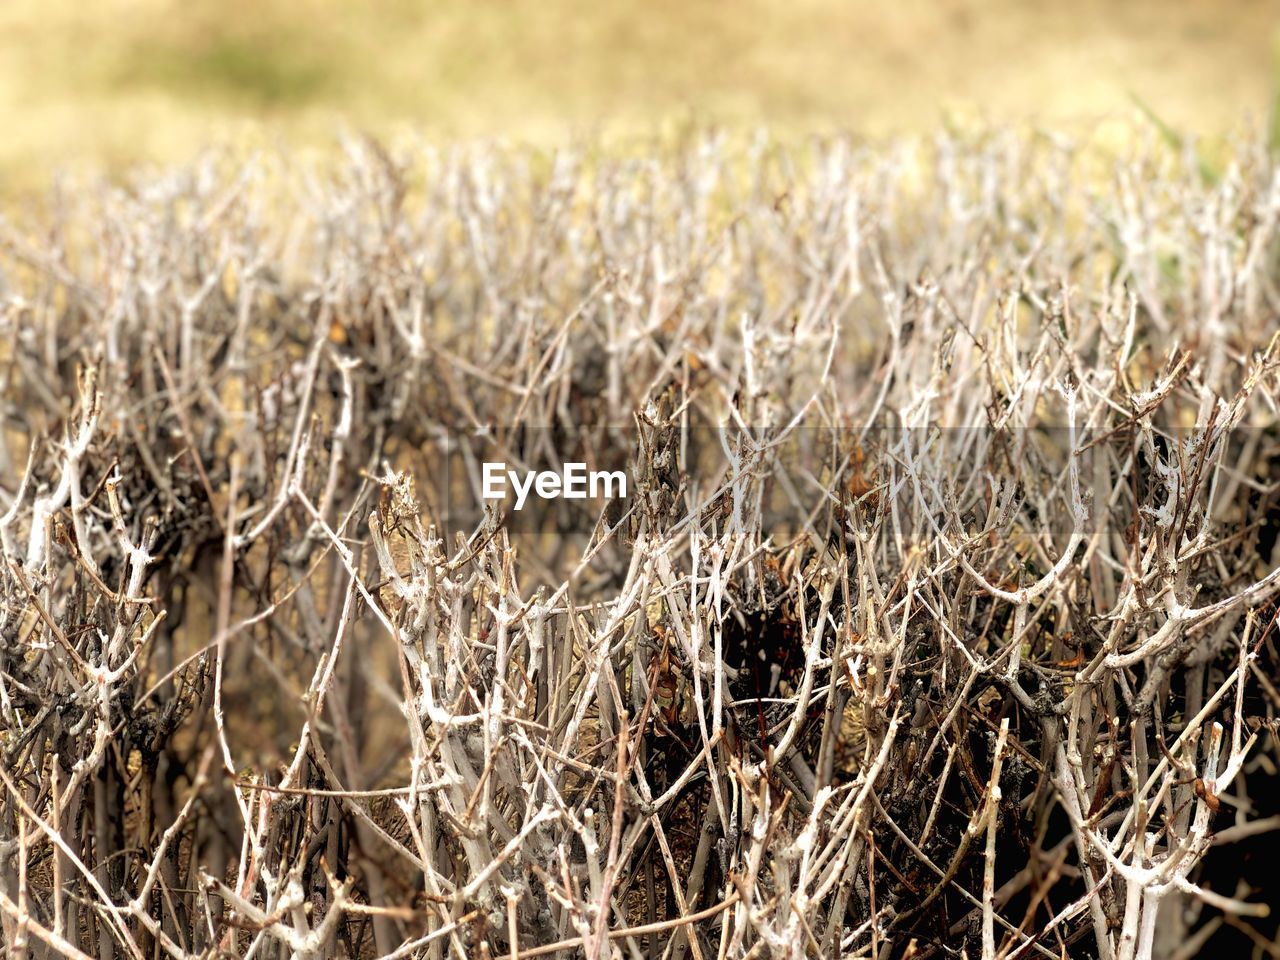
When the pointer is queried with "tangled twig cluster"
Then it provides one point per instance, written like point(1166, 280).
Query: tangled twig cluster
point(939, 620)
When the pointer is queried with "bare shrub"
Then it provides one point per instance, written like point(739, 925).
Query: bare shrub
point(939, 621)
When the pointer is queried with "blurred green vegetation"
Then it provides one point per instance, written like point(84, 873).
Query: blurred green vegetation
point(116, 81)
point(248, 71)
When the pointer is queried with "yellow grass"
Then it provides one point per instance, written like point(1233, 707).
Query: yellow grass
point(110, 82)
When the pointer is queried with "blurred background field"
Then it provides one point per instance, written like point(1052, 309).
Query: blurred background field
point(111, 82)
